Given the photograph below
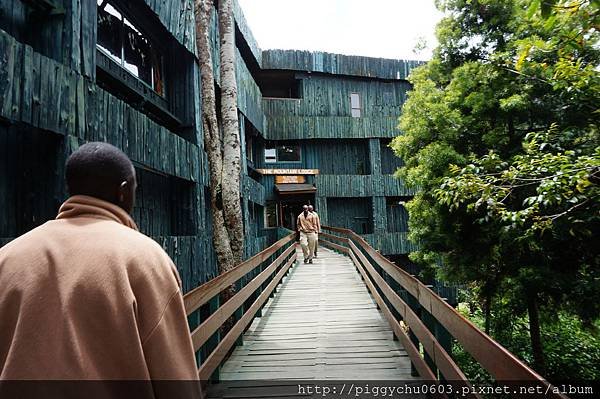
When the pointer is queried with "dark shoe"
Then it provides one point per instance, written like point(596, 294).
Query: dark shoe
point(310, 261)
point(305, 260)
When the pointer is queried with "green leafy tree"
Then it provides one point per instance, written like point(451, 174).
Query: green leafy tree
point(500, 134)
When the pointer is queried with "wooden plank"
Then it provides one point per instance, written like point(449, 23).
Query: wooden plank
point(7, 70)
point(413, 352)
point(209, 326)
point(334, 246)
point(324, 319)
point(201, 295)
point(498, 361)
point(441, 358)
point(217, 356)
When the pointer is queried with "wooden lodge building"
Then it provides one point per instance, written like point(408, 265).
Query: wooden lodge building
point(315, 126)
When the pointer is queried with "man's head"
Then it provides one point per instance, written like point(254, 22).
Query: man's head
point(305, 209)
point(310, 208)
point(102, 171)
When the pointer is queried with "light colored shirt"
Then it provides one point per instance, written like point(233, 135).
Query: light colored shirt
point(307, 224)
point(318, 221)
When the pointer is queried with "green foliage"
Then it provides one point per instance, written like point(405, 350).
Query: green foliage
point(500, 134)
point(572, 350)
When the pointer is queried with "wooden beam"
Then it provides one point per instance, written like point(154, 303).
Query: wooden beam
point(218, 355)
point(335, 246)
point(411, 350)
point(492, 356)
point(204, 331)
point(201, 295)
point(441, 358)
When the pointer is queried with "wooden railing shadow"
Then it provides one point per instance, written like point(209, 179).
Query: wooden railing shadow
point(425, 324)
point(255, 281)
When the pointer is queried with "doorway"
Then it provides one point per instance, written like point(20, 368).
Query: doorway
point(290, 206)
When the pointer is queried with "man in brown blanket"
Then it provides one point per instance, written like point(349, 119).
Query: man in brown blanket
point(88, 297)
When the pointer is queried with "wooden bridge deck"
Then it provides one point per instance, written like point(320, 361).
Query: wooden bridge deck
point(321, 324)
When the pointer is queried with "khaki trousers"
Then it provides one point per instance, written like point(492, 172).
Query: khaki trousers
point(308, 242)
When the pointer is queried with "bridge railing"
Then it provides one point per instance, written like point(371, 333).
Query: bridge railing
point(423, 322)
point(255, 280)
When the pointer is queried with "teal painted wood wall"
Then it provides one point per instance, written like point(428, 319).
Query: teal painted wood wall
point(360, 186)
point(31, 183)
point(351, 213)
point(337, 64)
point(177, 16)
point(389, 161)
point(247, 34)
point(325, 111)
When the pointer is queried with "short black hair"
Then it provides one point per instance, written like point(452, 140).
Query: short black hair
point(97, 169)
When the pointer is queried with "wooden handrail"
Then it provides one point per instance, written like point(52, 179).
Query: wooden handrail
point(194, 299)
point(492, 356)
point(409, 347)
point(218, 355)
point(440, 357)
point(204, 331)
point(204, 293)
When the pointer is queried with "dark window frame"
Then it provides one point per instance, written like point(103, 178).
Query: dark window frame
point(277, 148)
point(146, 36)
point(119, 81)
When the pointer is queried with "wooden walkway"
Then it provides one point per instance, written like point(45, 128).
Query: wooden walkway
point(322, 324)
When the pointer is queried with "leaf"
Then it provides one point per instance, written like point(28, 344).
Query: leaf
point(524, 54)
point(546, 6)
point(533, 7)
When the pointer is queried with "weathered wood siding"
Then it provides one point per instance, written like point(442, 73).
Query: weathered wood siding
point(45, 94)
point(178, 17)
point(325, 111)
point(253, 190)
point(31, 182)
point(249, 95)
point(351, 213)
point(244, 29)
point(337, 64)
point(338, 127)
point(397, 218)
point(69, 39)
point(360, 186)
point(340, 157)
point(389, 161)
point(393, 243)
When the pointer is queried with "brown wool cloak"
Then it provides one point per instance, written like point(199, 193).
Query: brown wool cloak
point(88, 297)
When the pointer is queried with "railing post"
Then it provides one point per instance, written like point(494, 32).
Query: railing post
point(193, 322)
point(212, 343)
point(443, 336)
point(413, 303)
point(430, 323)
point(240, 312)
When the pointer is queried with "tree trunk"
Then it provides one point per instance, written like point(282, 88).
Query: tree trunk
point(232, 206)
point(212, 136)
point(535, 334)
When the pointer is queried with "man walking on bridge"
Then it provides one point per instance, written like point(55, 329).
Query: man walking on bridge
point(311, 209)
point(307, 226)
point(88, 297)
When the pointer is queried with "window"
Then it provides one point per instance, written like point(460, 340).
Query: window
point(282, 153)
point(288, 153)
point(270, 155)
point(271, 216)
point(355, 104)
point(125, 44)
